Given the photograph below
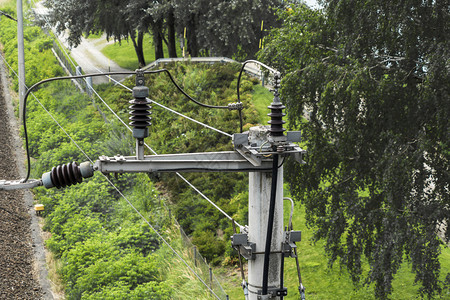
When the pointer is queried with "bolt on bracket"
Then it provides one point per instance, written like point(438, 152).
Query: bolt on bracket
point(290, 237)
point(246, 248)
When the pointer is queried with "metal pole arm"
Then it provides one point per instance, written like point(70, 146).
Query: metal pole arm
point(227, 161)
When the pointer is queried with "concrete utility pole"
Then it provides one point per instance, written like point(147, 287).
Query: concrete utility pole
point(260, 185)
point(261, 151)
point(21, 57)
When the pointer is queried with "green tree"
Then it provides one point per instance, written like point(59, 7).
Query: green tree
point(223, 28)
point(372, 79)
point(118, 19)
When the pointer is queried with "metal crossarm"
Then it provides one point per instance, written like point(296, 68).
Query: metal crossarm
point(228, 161)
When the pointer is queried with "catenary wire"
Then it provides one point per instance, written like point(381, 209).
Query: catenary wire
point(161, 237)
point(55, 35)
point(153, 151)
point(51, 116)
point(85, 76)
point(177, 173)
point(190, 98)
point(103, 74)
point(123, 196)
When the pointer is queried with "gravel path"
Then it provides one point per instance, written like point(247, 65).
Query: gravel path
point(88, 54)
point(22, 258)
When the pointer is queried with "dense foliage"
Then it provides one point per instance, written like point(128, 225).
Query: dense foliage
point(212, 26)
point(170, 133)
point(373, 79)
point(203, 27)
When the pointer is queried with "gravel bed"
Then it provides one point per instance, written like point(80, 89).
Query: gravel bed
point(17, 276)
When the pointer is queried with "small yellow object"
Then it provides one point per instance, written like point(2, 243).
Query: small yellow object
point(39, 207)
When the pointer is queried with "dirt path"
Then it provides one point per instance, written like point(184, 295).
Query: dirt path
point(88, 54)
point(22, 258)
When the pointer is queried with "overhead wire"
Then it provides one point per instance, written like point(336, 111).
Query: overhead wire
point(162, 238)
point(241, 129)
point(182, 177)
point(169, 109)
point(122, 195)
point(103, 74)
point(177, 173)
point(173, 111)
point(7, 15)
point(239, 83)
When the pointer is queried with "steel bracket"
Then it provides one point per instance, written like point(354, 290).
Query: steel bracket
point(272, 293)
point(255, 148)
point(290, 237)
point(247, 249)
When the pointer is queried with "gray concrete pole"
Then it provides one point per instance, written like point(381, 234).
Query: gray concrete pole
point(21, 58)
point(258, 215)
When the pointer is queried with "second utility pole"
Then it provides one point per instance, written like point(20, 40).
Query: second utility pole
point(21, 58)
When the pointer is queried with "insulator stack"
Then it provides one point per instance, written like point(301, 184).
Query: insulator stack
point(140, 112)
point(276, 110)
point(67, 175)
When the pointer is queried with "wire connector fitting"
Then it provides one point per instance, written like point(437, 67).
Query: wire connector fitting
point(235, 106)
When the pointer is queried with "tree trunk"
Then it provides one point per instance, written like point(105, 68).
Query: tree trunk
point(138, 47)
point(192, 45)
point(171, 34)
point(157, 41)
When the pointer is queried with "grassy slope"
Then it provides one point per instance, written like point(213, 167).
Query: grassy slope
point(124, 55)
point(322, 282)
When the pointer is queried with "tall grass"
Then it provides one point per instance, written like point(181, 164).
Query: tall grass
point(124, 55)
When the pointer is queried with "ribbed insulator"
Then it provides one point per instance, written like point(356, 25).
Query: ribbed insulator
point(140, 113)
point(140, 108)
point(276, 110)
point(66, 175)
point(276, 119)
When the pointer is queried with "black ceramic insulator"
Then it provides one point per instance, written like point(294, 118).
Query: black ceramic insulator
point(66, 175)
point(140, 108)
point(276, 119)
point(140, 113)
point(276, 110)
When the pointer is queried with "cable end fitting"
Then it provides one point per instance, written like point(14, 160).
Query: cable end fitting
point(235, 106)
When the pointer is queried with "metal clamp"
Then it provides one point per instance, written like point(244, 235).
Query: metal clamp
point(290, 237)
point(235, 106)
point(272, 293)
point(247, 248)
point(255, 147)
